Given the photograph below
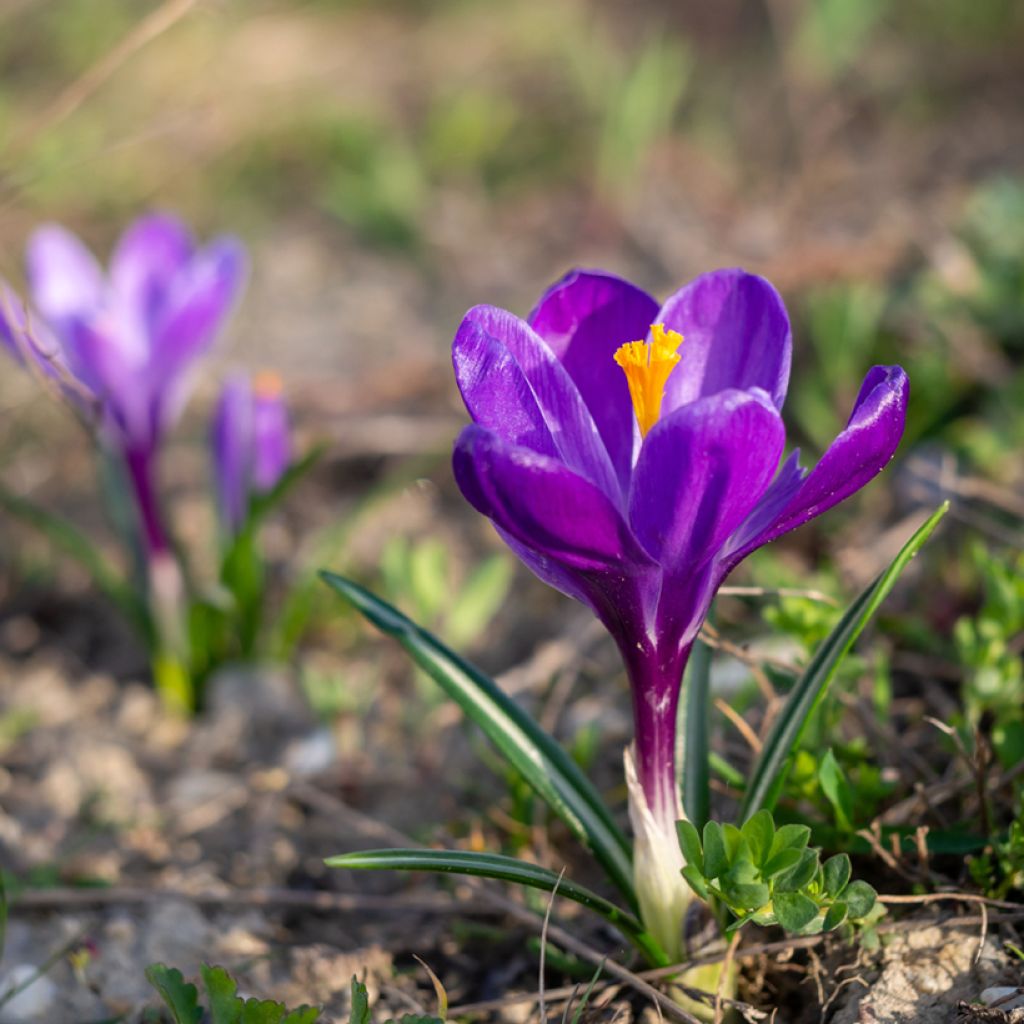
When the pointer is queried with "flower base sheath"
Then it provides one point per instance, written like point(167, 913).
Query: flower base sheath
point(634, 475)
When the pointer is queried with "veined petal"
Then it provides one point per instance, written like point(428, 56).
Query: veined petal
point(855, 457)
point(572, 428)
point(64, 278)
point(584, 318)
point(736, 334)
point(495, 390)
point(701, 471)
point(543, 504)
point(148, 258)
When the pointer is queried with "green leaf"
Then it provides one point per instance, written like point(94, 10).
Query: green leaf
point(799, 875)
point(181, 997)
point(806, 695)
point(491, 865)
point(735, 845)
point(834, 917)
point(479, 600)
point(695, 731)
point(744, 896)
point(837, 790)
point(860, 898)
point(759, 832)
point(263, 504)
point(782, 861)
point(837, 872)
point(69, 539)
point(554, 776)
point(305, 1015)
point(716, 863)
point(225, 1006)
point(689, 843)
point(791, 837)
point(360, 1011)
point(696, 882)
point(794, 911)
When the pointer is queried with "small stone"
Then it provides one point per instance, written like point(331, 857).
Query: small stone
point(1004, 996)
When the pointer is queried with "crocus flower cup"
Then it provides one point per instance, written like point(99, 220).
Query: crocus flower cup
point(120, 346)
point(251, 444)
point(636, 488)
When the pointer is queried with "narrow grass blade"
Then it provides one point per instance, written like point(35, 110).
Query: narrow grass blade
point(770, 770)
point(67, 538)
point(554, 776)
point(696, 786)
point(493, 865)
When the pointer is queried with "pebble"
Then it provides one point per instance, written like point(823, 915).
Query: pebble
point(995, 996)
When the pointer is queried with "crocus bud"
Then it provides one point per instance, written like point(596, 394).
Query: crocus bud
point(250, 442)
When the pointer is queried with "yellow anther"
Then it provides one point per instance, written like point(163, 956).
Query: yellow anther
point(647, 365)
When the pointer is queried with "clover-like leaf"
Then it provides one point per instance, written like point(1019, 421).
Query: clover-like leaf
point(782, 861)
point(836, 874)
point(836, 788)
point(860, 898)
point(696, 881)
point(790, 837)
point(716, 862)
point(745, 896)
point(736, 847)
point(689, 843)
point(759, 832)
point(794, 911)
point(800, 874)
point(835, 916)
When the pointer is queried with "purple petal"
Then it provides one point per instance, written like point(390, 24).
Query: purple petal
point(735, 335)
point(148, 258)
point(548, 571)
point(64, 278)
point(195, 311)
point(495, 391)
point(584, 318)
point(568, 420)
point(856, 456)
point(271, 436)
point(97, 359)
point(543, 504)
point(701, 470)
point(230, 440)
point(770, 507)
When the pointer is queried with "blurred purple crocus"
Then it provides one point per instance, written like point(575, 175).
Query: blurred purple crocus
point(637, 488)
point(121, 344)
point(251, 443)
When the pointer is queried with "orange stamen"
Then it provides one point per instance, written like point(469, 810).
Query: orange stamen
point(647, 365)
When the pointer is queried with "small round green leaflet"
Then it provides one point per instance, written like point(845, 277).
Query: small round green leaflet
point(507, 869)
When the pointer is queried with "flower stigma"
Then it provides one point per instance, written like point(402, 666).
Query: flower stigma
point(647, 365)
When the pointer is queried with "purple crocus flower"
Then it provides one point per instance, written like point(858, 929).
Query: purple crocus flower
point(121, 344)
point(636, 488)
point(251, 443)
